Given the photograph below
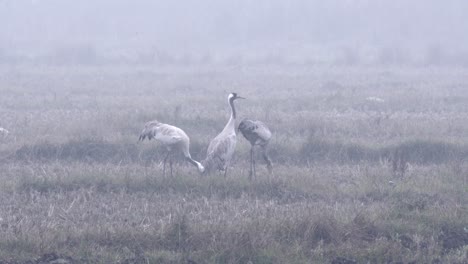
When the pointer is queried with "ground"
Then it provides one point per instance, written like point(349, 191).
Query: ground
point(356, 179)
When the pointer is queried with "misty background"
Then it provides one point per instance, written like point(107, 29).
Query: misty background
point(349, 32)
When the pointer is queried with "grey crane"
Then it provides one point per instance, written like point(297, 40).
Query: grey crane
point(173, 138)
point(221, 148)
point(258, 134)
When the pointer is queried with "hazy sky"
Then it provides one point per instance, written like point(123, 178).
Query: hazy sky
point(242, 26)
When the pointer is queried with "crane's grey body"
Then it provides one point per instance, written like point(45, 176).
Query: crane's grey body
point(258, 134)
point(221, 148)
point(173, 138)
point(220, 152)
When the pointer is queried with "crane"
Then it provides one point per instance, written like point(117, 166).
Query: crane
point(173, 138)
point(221, 148)
point(258, 134)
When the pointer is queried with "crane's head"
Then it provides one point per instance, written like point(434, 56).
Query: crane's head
point(234, 96)
point(201, 169)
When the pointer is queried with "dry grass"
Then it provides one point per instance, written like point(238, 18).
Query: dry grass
point(354, 181)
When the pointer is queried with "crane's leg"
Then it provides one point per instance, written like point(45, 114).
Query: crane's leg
point(251, 162)
point(253, 171)
point(164, 163)
point(267, 159)
point(170, 164)
point(226, 169)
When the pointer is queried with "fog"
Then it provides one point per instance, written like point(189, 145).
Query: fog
point(277, 31)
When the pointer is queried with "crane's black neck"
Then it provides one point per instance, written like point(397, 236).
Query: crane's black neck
point(231, 124)
point(233, 109)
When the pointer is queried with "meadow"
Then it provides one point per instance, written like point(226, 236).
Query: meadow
point(355, 180)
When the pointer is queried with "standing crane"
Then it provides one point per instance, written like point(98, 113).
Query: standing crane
point(173, 138)
point(258, 134)
point(221, 148)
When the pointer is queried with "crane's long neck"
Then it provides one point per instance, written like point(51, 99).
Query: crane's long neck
point(231, 124)
point(200, 167)
point(187, 155)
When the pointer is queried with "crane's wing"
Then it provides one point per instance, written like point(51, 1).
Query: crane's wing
point(254, 131)
point(221, 149)
point(262, 131)
point(162, 132)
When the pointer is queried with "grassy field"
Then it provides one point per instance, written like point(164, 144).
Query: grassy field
point(355, 180)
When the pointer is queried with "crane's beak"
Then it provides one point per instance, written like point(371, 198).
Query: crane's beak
point(238, 97)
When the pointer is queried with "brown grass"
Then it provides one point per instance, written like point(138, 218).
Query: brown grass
point(354, 181)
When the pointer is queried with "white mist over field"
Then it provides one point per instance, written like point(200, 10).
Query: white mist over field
point(298, 31)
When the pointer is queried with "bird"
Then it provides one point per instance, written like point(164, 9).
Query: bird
point(221, 148)
point(4, 132)
point(173, 138)
point(258, 134)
